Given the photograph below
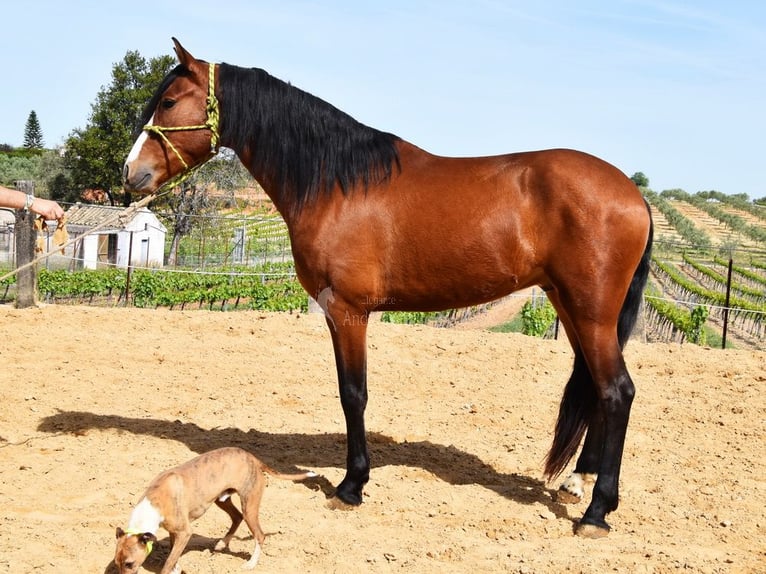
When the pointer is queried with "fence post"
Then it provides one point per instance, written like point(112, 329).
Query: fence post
point(26, 238)
point(726, 306)
point(129, 269)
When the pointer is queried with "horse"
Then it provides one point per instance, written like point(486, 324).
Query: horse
point(379, 224)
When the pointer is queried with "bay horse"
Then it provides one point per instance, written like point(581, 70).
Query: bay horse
point(377, 224)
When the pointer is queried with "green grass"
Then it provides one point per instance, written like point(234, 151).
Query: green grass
point(714, 339)
point(515, 325)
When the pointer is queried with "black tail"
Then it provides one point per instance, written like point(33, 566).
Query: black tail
point(577, 408)
point(632, 304)
point(578, 405)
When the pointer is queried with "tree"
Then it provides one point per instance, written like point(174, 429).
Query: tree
point(190, 200)
point(640, 179)
point(53, 178)
point(224, 173)
point(33, 134)
point(14, 167)
point(95, 155)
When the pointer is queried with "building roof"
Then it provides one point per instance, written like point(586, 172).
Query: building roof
point(81, 217)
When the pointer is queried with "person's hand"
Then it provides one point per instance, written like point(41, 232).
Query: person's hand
point(47, 208)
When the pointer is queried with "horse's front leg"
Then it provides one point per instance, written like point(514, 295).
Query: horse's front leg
point(349, 333)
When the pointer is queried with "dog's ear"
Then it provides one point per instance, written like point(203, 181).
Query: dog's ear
point(120, 533)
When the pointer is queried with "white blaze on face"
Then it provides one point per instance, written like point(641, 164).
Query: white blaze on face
point(135, 151)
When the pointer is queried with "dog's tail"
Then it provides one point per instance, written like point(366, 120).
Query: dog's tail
point(297, 476)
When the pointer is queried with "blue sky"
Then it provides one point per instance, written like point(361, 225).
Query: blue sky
point(671, 88)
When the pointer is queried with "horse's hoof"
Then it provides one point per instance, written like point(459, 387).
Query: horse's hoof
point(591, 531)
point(349, 495)
point(565, 497)
point(335, 503)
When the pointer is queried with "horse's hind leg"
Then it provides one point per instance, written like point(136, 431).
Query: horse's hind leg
point(615, 391)
point(578, 411)
point(572, 490)
point(598, 397)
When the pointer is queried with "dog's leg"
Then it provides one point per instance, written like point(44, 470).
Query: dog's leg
point(236, 519)
point(180, 540)
point(253, 562)
point(251, 503)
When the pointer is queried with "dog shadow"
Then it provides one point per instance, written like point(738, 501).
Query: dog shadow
point(281, 450)
point(156, 560)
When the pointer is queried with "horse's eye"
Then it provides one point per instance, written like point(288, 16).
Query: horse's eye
point(168, 103)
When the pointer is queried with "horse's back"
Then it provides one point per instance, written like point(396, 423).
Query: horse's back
point(539, 198)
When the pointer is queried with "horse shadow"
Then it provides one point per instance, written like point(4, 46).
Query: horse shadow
point(447, 462)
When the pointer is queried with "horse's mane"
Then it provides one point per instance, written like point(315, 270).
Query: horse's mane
point(305, 143)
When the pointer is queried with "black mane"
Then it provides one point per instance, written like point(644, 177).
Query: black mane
point(305, 144)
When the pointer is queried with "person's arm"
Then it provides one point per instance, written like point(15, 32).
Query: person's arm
point(19, 200)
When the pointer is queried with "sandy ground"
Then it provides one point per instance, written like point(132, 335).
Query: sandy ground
point(97, 401)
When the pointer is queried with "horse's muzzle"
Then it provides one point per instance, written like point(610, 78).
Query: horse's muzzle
point(137, 182)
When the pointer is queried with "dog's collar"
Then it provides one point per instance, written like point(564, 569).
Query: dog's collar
point(133, 532)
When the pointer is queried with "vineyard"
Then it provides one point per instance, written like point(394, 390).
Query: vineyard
point(269, 287)
point(233, 239)
point(708, 270)
point(708, 280)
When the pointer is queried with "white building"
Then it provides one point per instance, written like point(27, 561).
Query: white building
point(140, 237)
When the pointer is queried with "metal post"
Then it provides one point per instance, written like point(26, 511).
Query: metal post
point(130, 269)
point(726, 306)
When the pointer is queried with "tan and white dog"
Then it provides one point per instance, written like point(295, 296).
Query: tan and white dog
point(178, 496)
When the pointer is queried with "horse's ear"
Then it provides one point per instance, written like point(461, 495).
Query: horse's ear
point(184, 57)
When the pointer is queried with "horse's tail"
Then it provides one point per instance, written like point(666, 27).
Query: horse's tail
point(578, 404)
point(632, 304)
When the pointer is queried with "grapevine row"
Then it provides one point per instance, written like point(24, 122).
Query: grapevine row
point(155, 288)
point(685, 228)
point(750, 317)
point(732, 221)
point(671, 322)
point(753, 277)
point(712, 277)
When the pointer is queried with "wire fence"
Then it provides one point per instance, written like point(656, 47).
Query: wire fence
point(216, 241)
point(240, 246)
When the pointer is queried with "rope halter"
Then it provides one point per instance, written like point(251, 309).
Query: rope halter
point(212, 122)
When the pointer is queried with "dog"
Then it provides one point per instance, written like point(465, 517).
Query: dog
point(177, 497)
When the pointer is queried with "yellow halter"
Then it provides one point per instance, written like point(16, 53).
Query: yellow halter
point(212, 123)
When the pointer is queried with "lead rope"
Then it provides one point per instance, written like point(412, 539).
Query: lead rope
point(212, 123)
point(122, 217)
